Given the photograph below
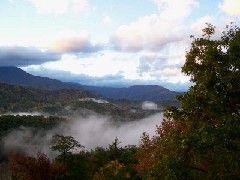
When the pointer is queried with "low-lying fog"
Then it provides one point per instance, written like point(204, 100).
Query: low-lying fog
point(100, 131)
point(91, 131)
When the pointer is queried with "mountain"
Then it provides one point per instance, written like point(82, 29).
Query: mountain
point(135, 93)
point(15, 98)
point(16, 76)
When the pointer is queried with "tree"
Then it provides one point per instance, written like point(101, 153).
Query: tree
point(27, 168)
point(64, 144)
point(201, 139)
point(112, 170)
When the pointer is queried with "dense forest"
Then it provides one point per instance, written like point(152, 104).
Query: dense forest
point(200, 139)
point(65, 102)
point(18, 98)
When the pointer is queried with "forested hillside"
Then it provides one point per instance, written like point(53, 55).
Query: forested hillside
point(137, 93)
point(17, 98)
point(63, 102)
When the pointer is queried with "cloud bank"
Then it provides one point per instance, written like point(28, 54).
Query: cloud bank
point(73, 43)
point(23, 56)
point(62, 43)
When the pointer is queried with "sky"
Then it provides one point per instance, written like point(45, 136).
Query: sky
point(110, 42)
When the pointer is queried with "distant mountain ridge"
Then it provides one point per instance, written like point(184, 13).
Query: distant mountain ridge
point(135, 93)
point(16, 76)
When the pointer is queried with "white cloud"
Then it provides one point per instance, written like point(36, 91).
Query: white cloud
point(175, 9)
point(115, 68)
point(171, 71)
point(60, 6)
point(72, 42)
point(23, 56)
point(107, 20)
point(164, 66)
point(231, 7)
point(163, 43)
point(149, 32)
point(63, 41)
point(97, 65)
point(152, 32)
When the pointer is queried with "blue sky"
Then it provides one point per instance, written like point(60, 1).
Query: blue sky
point(110, 42)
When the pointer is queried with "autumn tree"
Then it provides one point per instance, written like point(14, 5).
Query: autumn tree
point(201, 139)
point(40, 168)
point(64, 144)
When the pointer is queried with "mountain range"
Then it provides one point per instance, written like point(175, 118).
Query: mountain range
point(16, 76)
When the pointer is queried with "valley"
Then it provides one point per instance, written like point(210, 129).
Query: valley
point(33, 109)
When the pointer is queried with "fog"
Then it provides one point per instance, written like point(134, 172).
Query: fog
point(100, 131)
point(27, 141)
point(148, 105)
point(91, 131)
